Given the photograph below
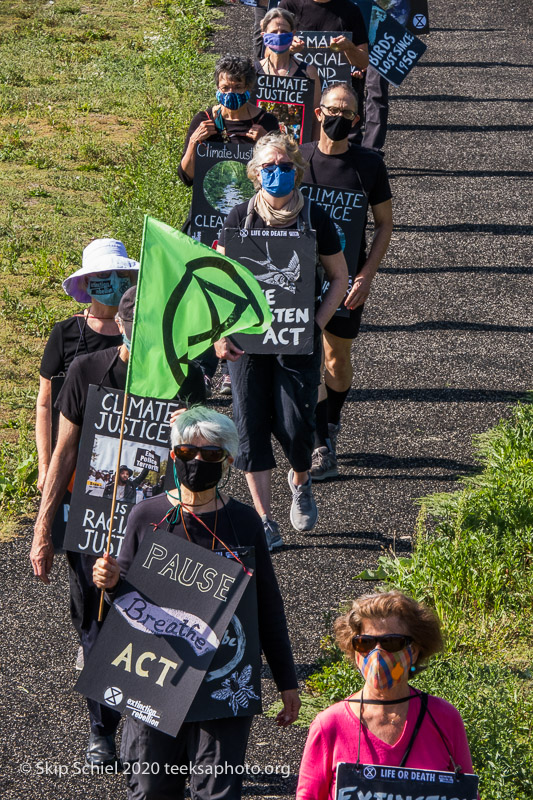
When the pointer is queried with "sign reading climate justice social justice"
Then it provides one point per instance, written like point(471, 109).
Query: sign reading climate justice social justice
point(232, 686)
point(284, 264)
point(373, 782)
point(348, 210)
point(145, 450)
point(413, 14)
point(290, 99)
point(331, 65)
point(393, 50)
point(163, 630)
point(220, 183)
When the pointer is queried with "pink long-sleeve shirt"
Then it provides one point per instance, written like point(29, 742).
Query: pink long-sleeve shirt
point(333, 738)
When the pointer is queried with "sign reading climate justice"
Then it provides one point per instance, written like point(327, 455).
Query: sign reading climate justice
point(165, 625)
point(284, 264)
point(220, 183)
point(290, 99)
point(331, 65)
point(376, 782)
point(143, 462)
point(393, 50)
point(347, 209)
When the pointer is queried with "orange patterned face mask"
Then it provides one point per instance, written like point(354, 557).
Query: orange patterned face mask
point(383, 670)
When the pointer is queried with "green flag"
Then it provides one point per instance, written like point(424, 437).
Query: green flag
point(188, 296)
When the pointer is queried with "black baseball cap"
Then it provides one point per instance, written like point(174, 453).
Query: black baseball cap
point(126, 309)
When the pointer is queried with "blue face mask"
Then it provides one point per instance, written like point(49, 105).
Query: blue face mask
point(108, 291)
point(276, 182)
point(232, 100)
point(278, 42)
point(127, 342)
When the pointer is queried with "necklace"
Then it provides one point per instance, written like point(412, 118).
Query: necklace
point(212, 532)
point(379, 702)
point(274, 71)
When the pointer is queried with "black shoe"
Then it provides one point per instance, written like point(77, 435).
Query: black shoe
point(100, 751)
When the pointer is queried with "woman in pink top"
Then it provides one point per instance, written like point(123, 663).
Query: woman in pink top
point(388, 636)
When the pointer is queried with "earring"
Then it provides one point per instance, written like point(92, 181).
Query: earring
point(413, 669)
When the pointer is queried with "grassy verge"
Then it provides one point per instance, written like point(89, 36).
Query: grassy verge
point(472, 562)
point(94, 102)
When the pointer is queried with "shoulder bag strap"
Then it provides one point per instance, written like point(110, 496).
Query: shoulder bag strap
point(423, 708)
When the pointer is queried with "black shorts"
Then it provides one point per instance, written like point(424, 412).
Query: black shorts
point(346, 327)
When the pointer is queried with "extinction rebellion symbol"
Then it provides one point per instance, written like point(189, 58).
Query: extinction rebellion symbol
point(419, 21)
point(113, 696)
point(369, 773)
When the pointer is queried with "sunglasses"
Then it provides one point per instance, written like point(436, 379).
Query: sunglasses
point(392, 642)
point(208, 452)
point(285, 166)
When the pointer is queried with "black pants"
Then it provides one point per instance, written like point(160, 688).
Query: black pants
point(376, 110)
point(203, 745)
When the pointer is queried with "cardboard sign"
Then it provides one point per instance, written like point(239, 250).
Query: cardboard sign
point(284, 263)
point(220, 183)
point(412, 14)
point(393, 50)
point(348, 210)
point(232, 686)
point(375, 781)
point(146, 430)
point(290, 99)
point(331, 65)
point(163, 629)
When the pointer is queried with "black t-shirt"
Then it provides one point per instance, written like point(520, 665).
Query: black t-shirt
point(238, 525)
point(358, 168)
point(235, 128)
point(70, 338)
point(336, 15)
point(104, 367)
point(327, 238)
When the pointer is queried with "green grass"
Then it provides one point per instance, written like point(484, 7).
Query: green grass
point(471, 561)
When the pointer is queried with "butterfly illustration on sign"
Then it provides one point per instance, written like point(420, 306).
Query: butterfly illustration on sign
point(237, 690)
point(284, 277)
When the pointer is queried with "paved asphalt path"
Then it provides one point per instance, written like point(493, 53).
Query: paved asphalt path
point(445, 347)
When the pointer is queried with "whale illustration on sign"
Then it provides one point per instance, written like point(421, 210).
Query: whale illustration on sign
point(284, 277)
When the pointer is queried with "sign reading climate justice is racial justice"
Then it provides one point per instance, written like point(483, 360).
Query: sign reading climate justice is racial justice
point(377, 782)
point(290, 99)
point(159, 639)
point(348, 210)
point(393, 50)
point(220, 183)
point(145, 451)
point(284, 264)
point(331, 65)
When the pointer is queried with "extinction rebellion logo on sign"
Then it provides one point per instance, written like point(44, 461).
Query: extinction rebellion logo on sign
point(379, 782)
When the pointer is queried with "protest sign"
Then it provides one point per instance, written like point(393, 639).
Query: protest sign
point(232, 686)
point(163, 629)
point(412, 14)
point(147, 459)
point(393, 50)
point(347, 210)
point(290, 99)
point(376, 781)
point(220, 183)
point(146, 429)
point(331, 65)
point(59, 523)
point(284, 264)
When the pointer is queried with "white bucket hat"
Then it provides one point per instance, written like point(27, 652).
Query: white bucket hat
point(102, 255)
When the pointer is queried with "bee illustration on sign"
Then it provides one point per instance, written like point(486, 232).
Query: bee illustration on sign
point(284, 277)
point(237, 690)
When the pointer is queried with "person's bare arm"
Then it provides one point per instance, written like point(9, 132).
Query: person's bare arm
point(205, 129)
point(357, 54)
point(360, 290)
point(337, 276)
point(58, 477)
point(43, 429)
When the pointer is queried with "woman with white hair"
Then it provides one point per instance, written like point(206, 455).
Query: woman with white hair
point(203, 446)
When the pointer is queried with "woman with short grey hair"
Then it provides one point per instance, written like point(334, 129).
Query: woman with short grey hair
point(215, 428)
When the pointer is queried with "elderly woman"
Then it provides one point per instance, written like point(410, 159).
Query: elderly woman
point(388, 637)
point(277, 393)
point(278, 29)
point(105, 274)
point(204, 444)
point(233, 119)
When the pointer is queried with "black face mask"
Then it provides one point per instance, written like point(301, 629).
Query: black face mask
point(197, 475)
point(336, 128)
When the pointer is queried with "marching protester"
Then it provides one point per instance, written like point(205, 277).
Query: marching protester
point(104, 276)
point(278, 28)
point(334, 161)
point(233, 119)
point(203, 445)
point(276, 394)
point(388, 637)
point(105, 368)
